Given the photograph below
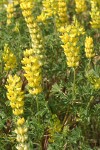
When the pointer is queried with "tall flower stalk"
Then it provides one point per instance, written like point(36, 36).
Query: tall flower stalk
point(33, 57)
point(16, 98)
point(70, 37)
point(35, 33)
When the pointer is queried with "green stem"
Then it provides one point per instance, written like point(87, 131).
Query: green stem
point(37, 104)
point(32, 106)
point(67, 118)
point(91, 100)
point(73, 90)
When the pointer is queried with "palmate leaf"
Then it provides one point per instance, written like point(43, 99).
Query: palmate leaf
point(56, 88)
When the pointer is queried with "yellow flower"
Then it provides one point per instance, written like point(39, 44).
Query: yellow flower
point(21, 138)
point(17, 104)
point(16, 2)
point(18, 111)
point(20, 121)
point(9, 59)
point(22, 146)
point(49, 9)
point(62, 11)
point(10, 12)
point(36, 91)
point(37, 43)
point(70, 37)
point(95, 14)
point(42, 17)
point(32, 68)
point(70, 49)
point(21, 130)
point(89, 50)
point(80, 6)
point(14, 94)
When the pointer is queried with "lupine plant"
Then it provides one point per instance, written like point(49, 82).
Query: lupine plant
point(49, 74)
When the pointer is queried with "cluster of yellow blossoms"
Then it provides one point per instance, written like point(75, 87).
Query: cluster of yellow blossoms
point(22, 136)
point(16, 95)
point(62, 11)
point(80, 6)
point(70, 39)
point(62, 17)
point(37, 43)
point(95, 14)
point(27, 7)
point(16, 2)
point(11, 8)
point(55, 8)
point(32, 67)
point(9, 59)
point(48, 10)
point(89, 51)
point(32, 60)
point(10, 12)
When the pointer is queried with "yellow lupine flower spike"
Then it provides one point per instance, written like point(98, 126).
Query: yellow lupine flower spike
point(9, 59)
point(62, 11)
point(35, 33)
point(80, 6)
point(22, 136)
point(95, 14)
point(15, 95)
point(89, 50)
point(46, 11)
point(70, 39)
point(10, 12)
point(32, 67)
